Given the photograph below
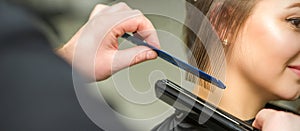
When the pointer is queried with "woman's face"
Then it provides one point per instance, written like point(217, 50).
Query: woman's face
point(267, 51)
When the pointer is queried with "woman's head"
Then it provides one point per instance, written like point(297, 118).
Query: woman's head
point(263, 43)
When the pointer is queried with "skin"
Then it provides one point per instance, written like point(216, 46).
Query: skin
point(271, 120)
point(264, 59)
point(96, 43)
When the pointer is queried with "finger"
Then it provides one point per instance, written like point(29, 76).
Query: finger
point(132, 56)
point(105, 9)
point(142, 26)
point(102, 28)
point(144, 55)
point(122, 22)
point(98, 8)
point(261, 117)
point(147, 31)
point(119, 7)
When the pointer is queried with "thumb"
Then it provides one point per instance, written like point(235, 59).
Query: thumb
point(257, 123)
point(261, 117)
point(132, 56)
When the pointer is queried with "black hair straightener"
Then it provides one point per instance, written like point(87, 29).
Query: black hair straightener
point(217, 119)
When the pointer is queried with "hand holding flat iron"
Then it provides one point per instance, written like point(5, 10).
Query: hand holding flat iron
point(271, 120)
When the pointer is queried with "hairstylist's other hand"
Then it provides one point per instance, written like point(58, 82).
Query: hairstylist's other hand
point(271, 120)
point(94, 51)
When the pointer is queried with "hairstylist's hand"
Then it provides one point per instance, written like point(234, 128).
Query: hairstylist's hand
point(94, 48)
point(271, 120)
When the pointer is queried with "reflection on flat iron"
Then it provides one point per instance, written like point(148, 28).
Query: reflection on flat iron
point(184, 100)
point(179, 63)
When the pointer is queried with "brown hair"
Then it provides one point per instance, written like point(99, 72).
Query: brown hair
point(226, 17)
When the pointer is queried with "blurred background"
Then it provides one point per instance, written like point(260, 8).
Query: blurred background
point(129, 92)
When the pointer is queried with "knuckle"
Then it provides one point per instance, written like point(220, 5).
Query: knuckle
point(98, 5)
point(123, 4)
point(139, 57)
point(138, 11)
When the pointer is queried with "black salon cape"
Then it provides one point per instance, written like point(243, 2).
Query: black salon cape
point(180, 121)
point(36, 88)
point(176, 123)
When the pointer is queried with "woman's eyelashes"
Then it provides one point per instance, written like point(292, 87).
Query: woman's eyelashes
point(295, 22)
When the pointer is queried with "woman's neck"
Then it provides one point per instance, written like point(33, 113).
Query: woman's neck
point(242, 102)
point(239, 98)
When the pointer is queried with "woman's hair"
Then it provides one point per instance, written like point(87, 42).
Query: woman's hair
point(226, 17)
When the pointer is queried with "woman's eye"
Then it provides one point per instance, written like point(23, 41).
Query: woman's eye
point(295, 22)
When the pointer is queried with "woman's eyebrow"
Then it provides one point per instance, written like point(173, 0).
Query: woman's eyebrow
point(295, 5)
